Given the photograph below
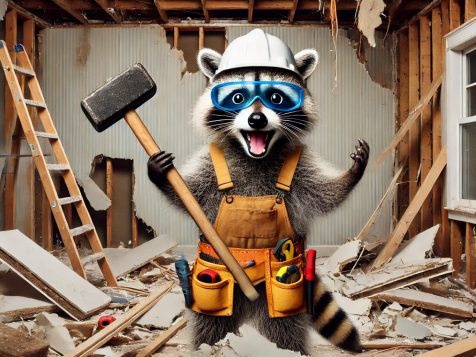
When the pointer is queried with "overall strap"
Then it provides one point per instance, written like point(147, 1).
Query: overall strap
point(287, 171)
point(221, 168)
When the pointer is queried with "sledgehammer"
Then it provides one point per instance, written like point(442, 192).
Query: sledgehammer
point(118, 99)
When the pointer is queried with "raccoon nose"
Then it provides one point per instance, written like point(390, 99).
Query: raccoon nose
point(257, 120)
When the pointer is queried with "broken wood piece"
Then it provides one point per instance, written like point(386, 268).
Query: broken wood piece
point(401, 229)
point(386, 344)
point(123, 261)
point(15, 308)
point(17, 343)
point(123, 321)
point(393, 276)
point(408, 123)
point(461, 348)
point(378, 210)
point(162, 339)
point(50, 276)
point(428, 301)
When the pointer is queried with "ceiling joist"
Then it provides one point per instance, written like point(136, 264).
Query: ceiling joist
point(162, 12)
point(205, 11)
point(108, 7)
point(25, 13)
point(251, 7)
point(292, 12)
point(67, 6)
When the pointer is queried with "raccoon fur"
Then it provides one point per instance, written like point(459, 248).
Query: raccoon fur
point(317, 189)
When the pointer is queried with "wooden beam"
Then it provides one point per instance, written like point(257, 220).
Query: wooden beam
point(66, 6)
point(108, 8)
point(162, 12)
point(456, 247)
point(157, 343)
point(99, 339)
point(205, 11)
point(109, 174)
point(11, 20)
point(462, 348)
point(470, 250)
point(469, 10)
point(176, 37)
point(455, 14)
point(133, 214)
point(409, 121)
point(426, 211)
point(390, 345)
point(251, 10)
point(292, 12)
point(402, 227)
point(25, 13)
point(46, 224)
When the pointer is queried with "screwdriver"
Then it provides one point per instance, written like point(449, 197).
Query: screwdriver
point(309, 278)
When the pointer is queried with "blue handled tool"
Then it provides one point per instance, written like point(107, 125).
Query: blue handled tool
point(183, 272)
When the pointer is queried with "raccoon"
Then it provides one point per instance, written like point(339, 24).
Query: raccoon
point(256, 140)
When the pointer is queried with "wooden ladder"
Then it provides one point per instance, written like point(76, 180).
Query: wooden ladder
point(22, 73)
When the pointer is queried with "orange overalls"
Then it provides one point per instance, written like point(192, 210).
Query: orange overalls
point(251, 227)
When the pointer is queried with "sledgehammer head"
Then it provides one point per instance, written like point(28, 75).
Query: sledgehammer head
point(125, 92)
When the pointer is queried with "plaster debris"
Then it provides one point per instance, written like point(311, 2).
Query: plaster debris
point(418, 248)
point(164, 312)
point(97, 199)
point(408, 328)
point(344, 255)
point(360, 307)
point(369, 19)
point(56, 334)
point(443, 331)
point(468, 326)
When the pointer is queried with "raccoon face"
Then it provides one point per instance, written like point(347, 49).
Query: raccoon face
point(256, 107)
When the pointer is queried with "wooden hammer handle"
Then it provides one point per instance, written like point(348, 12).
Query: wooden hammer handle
point(193, 207)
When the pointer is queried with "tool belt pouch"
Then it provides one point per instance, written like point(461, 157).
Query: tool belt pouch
point(215, 299)
point(284, 299)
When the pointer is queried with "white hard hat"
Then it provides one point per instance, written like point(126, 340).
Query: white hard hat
point(257, 49)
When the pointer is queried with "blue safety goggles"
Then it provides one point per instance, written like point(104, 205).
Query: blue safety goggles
point(279, 96)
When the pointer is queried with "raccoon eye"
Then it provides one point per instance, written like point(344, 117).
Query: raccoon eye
point(238, 98)
point(276, 98)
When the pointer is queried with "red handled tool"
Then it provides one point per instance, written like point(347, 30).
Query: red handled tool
point(208, 276)
point(310, 277)
point(105, 320)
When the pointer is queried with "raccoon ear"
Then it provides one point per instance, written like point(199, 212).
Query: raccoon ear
point(306, 61)
point(208, 60)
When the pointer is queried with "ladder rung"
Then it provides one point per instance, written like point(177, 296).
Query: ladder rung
point(43, 134)
point(80, 230)
point(35, 103)
point(68, 200)
point(57, 167)
point(25, 71)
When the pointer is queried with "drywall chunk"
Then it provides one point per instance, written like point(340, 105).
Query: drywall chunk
point(16, 343)
point(359, 307)
point(408, 328)
point(56, 334)
point(98, 199)
point(417, 248)
point(369, 18)
point(345, 254)
point(443, 331)
point(164, 312)
point(468, 326)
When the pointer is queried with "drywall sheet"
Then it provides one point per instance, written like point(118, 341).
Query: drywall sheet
point(75, 61)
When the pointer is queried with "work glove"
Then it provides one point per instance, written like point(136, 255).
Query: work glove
point(158, 165)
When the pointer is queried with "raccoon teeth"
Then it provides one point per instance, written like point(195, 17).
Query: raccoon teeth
point(248, 137)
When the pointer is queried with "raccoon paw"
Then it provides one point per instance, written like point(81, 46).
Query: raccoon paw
point(360, 157)
point(158, 165)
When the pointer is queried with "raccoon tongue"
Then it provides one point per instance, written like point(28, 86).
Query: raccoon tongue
point(257, 142)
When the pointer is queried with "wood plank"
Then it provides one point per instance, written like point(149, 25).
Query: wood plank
point(445, 23)
point(402, 148)
point(251, 7)
point(10, 201)
point(376, 213)
point(50, 276)
point(201, 38)
point(18, 343)
point(27, 14)
point(462, 348)
point(292, 12)
point(411, 297)
point(386, 344)
point(455, 14)
point(456, 247)
point(162, 12)
point(205, 11)
point(109, 175)
point(46, 224)
point(176, 37)
point(470, 249)
point(414, 129)
point(10, 40)
point(157, 343)
point(108, 8)
point(66, 6)
point(122, 322)
point(469, 10)
point(400, 230)
point(426, 211)
point(135, 231)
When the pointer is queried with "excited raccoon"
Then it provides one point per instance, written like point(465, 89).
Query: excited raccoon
point(259, 183)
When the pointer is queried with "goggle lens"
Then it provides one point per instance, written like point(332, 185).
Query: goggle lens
point(279, 96)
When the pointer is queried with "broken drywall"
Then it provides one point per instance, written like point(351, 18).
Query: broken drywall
point(368, 18)
point(369, 115)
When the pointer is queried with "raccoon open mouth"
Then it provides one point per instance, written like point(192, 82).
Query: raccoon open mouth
point(257, 141)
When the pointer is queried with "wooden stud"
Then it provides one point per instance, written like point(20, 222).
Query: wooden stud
point(162, 12)
point(414, 133)
point(28, 15)
point(455, 14)
point(135, 232)
point(251, 7)
point(108, 8)
point(176, 37)
point(445, 22)
point(201, 38)
point(470, 250)
point(402, 150)
point(66, 6)
point(408, 217)
point(426, 211)
point(157, 343)
point(292, 12)
point(205, 11)
point(469, 10)
point(462, 348)
point(10, 39)
point(11, 179)
point(109, 174)
point(456, 247)
point(46, 224)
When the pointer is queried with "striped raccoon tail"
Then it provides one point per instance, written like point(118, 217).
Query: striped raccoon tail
point(332, 322)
